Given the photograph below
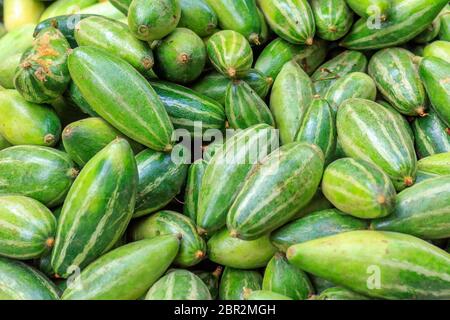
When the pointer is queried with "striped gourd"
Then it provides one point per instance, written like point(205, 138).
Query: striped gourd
point(283, 278)
point(179, 285)
point(317, 203)
point(371, 132)
point(277, 53)
point(230, 53)
point(116, 38)
point(160, 180)
point(224, 176)
point(336, 68)
point(27, 227)
point(83, 139)
point(190, 110)
point(359, 188)
point(192, 246)
point(66, 24)
point(434, 73)
point(121, 5)
point(153, 20)
point(371, 8)
point(192, 190)
point(266, 32)
point(339, 293)
point(262, 295)
point(352, 85)
point(422, 210)
point(433, 166)
point(181, 56)
point(397, 79)
point(235, 282)
point(240, 16)
point(97, 209)
point(120, 95)
point(444, 32)
point(272, 194)
point(291, 95)
point(198, 16)
point(240, 254)
point(333, 18)
point(17, 13)
point(430, 33)
point(244, 108)
point(214, 84)
point(431, 135)
point(64, 7)
point(407, 19)
point(315, 225)
point(211, 279)
point(23, 122)
point(42, 74)
point(438, 49)
point(357, 259)
point(124, 273)
point(19, 281)
point(292, 20)
point(41, 173)
point(318, 127)
point(12, 46)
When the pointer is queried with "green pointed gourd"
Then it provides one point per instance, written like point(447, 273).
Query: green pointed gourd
point(24, 122)
point(374, 133)
point(244, 108)
point(179, 285)
point(240, 254)
point(331, 71)
point(83, 139)
point(373, 263)
point(234, 283)
point(18, 281)
point(370, 8)
point(292, 93)
point(421, 210)
point(434, 74)
point(192, 191)
point(161, 177)
point(153, 20)
point(316, 225)
point(406, 20)
point(192, 246)
point(339, 293)
point(438, 49)
point(190, 110)
point(352, 85)
point(283, 278)
point(284, 182)
point(397, 79)
point(318, 127)
point(444, 32)
point(278, 52)
point(125, 273)
point(431, 135)
point(224, 176)
point(27, 229)
point(42, 74)
point(65, 7)
point(41, 173)
point(240, 16)
point(122, 96)
point(430, 33)
point(181, 56)
point(97, 209)
point(333, 18)
point(359, 188)
point(230, 53)
point(290, 20)
point(198, 16)
point(116, 38)
point(433, 166)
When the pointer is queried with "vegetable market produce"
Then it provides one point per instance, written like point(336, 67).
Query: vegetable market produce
point(224, 150)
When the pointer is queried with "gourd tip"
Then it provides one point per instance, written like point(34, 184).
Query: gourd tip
point(49, 139)
point(216, 273)
point(381, 199)
point(200, 254)
point(409, 181)
point(234, 234)
point(246, 293)
point(231, 72)
point(50, 242)
point(421, 111)
point(309, 41)
point(201, 231)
